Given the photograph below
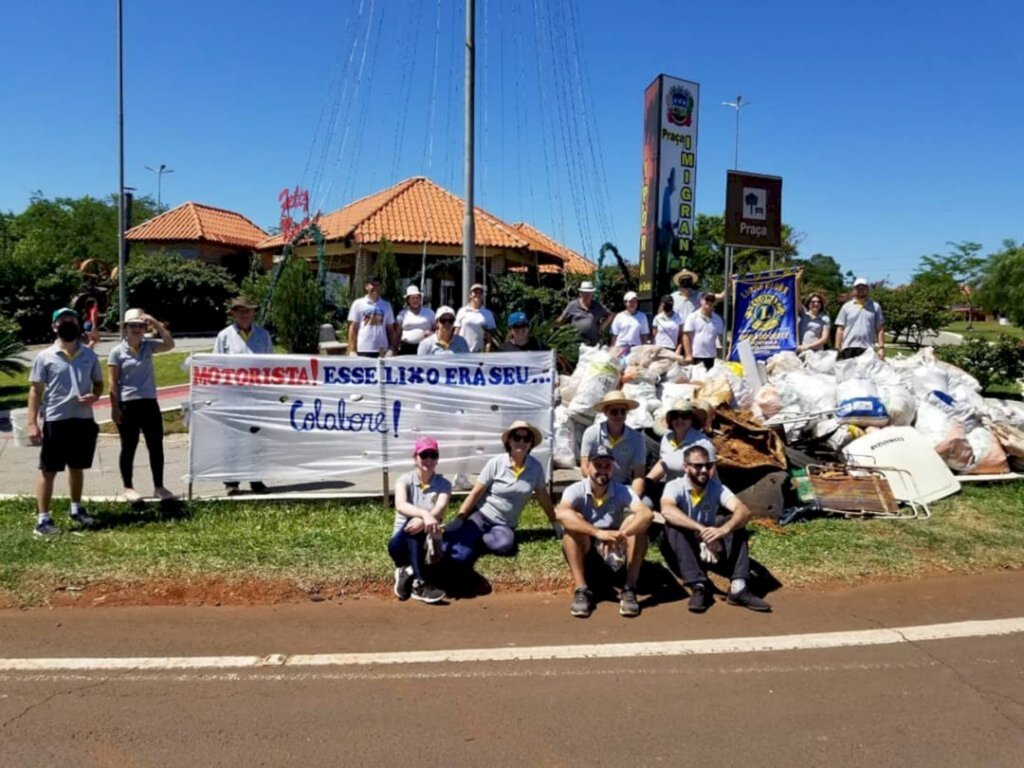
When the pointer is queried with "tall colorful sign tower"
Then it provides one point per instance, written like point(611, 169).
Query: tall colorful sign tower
point(668, 192)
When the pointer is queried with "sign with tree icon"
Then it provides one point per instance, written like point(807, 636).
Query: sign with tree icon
point(753, 210)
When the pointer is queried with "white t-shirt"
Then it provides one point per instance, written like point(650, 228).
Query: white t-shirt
point(416, 327)
point(705, 331)
point(666, 330)
point(684, 306)
point(374, 318)
point(471, 323)
point(629, 329)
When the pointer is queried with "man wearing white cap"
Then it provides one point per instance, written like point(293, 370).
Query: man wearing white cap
point(415, 322)
point(630, 328)
point(588, 315)
point(474, 322)
point(860, 324)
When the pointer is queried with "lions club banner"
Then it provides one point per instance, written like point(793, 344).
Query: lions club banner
point(765, 307)
point(289, 417)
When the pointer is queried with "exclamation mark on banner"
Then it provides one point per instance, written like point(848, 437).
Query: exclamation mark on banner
point(314, 366)
point(396, 412)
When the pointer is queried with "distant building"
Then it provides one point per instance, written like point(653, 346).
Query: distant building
point(423, 222)
point(197, 231)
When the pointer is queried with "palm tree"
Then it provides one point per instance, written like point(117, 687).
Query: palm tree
point(10, 347)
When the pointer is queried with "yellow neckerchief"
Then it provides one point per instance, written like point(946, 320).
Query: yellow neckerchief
point(695, 497)
point(598, 502)
point(517, 471)
point(613, 441)
point(441, 343)
point(73, 355)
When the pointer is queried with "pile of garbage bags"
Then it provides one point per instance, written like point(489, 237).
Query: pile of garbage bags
point(817, 402)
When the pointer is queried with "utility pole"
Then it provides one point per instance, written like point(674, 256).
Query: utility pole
point(737, 105)
point(159, 171)
point(122, 292)
point(468, 233)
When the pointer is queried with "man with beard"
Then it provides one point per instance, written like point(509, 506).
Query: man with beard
point(605, 527)
point(66, 380)
point(700, 536)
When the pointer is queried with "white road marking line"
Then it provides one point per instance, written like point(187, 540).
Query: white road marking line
point(765, 644)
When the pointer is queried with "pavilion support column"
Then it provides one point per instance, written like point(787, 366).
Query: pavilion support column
point(362, 272)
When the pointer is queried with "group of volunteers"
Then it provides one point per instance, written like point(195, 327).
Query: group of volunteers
point(374, 330)
point(604, 520)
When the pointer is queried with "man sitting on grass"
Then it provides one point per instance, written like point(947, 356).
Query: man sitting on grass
point(599, 534)
point(699, 536)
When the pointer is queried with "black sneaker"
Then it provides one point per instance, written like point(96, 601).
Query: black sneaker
point(748, 599)
point(403, 583)
point(580, 603)
point(425, 593)
point(698, 599)
point(83, 518)
point(628, 606)
point(46, 529)
point(259, 487)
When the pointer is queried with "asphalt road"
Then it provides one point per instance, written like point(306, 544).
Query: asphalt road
point(914, 703)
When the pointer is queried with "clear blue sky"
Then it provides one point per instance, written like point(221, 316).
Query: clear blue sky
point(896, 125)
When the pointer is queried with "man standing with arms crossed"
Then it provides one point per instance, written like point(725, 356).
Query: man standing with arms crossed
point(66, 380)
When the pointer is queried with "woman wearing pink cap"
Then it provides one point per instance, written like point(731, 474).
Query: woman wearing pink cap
point(421, 498)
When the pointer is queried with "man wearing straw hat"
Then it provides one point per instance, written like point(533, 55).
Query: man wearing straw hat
point(243, 337)
point(626, 444)
point(685, 299)
point(66, 380)
point(605, 528)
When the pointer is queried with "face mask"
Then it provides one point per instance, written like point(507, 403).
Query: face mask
point(68, 331)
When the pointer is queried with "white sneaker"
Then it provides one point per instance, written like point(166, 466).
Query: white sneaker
point(132, 496)
point(164, 494)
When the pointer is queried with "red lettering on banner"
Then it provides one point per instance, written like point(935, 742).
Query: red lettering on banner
point(205, 375)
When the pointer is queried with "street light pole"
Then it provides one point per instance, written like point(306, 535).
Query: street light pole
point(122, 297)
point(159, 179)
point(737, 105)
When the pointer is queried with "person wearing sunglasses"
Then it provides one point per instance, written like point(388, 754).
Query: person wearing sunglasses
point(133, 403)
point(489, 515)
point(421, 498)
point(605, 526)
point(626, 444)
point(705, 529)
point(443, 340)
point(519, 337)
point(684, 422)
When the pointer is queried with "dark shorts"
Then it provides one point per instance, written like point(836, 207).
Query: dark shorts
point(851, 352)
point(707, 362)
point(68, 443)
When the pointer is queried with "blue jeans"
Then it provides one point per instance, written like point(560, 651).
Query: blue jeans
point(478, 536)
point(407, 549)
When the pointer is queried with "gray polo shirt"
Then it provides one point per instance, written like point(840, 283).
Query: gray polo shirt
point(64, 379)
point(507, 493)
point(672, 452)
point(232, 341)
point(860, 324)
point(685, 306)
point(420, 497)
point(587, 322)
point(606, 513)
point(811, 327)
point(706, 507)
point(433, 346)
point(137, 379)
point(630, 450)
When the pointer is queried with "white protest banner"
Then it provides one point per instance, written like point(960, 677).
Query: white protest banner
point(303, 418)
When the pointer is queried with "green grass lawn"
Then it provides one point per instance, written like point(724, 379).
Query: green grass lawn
point(988, 329)
point(328, 545)
point(167, 367)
